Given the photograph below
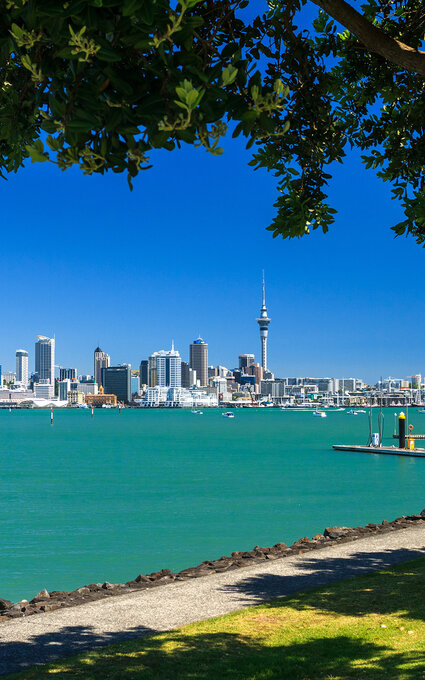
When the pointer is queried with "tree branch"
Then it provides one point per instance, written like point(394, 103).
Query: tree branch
point(374, 38)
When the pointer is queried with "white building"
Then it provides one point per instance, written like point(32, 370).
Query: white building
point(84, 387)
point(178, 397)
point(22, 367)
point(168, 368)
point(45, 358)
point(44, 390)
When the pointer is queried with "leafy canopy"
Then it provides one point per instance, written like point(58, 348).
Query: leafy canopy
point(100, 83)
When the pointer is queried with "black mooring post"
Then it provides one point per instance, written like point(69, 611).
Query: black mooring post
point(402, 431)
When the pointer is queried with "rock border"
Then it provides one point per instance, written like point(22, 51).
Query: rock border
point(46, 601)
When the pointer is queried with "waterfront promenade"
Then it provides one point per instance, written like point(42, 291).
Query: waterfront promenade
point(45, 637)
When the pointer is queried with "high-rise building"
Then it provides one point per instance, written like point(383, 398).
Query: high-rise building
point(1, 378)
point(152, 369)
point(67, 373)
point(45, 358)
point(101, 360)
point(22, 366)
point(144, 372)
point(199, 360)
point(246, 360)
point(168, 368)
point(257, 371)
point(117, 380)
point(263, 322)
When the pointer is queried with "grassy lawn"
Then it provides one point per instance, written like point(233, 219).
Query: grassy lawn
point(369, 627)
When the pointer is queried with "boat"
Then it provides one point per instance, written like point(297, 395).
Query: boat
point(361, 410)
point(352, 413)
point(421, 410)
point(320, 414)
point(198, 413)
point(228, 414)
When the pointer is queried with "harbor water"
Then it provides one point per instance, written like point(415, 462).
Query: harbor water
point(105, 498)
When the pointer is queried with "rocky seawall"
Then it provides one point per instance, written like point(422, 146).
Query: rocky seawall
point(48, 601)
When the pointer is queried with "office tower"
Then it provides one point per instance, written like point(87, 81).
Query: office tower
point(101, 360)
point(245, 360)
point(67, 373)
point(117, 380)
point(64, 386)
point(263, 322)
point(144, 372)
point(152, 369)
point(168, 368)
point(1, 378)
point(45, 358)
point(135, 385)
point(199, 360)
point(22, 366)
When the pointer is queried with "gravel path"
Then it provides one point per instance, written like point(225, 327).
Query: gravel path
point(45, 637)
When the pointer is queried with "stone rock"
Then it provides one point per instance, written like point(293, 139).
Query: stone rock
point(49, 607)
point(80, 591)
point(336, 532)
point(58, 594)
point(42, 595)
point(141, 578)
point(157, 575)
point(422, 513)
point(5, 604)
point(280, 546)
point(107, 586)
point(318, 537)
point(94, 587)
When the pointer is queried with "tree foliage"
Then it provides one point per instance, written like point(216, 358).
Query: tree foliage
point(100, 83)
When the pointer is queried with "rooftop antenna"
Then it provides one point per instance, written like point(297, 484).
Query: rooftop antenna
point(172, 345)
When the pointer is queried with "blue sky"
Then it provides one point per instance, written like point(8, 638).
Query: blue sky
point(85, 259)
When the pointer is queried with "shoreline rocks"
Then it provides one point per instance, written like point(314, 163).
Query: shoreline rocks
point(46, 601)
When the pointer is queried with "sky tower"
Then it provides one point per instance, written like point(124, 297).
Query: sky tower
point(263, 322)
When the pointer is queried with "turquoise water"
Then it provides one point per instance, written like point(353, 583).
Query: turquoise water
point(106, 498)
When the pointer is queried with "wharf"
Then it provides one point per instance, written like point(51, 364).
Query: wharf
point(389, 450)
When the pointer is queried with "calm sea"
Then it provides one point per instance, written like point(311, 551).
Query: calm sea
point(106, 498)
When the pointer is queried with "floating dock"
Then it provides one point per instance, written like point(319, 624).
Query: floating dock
point(389, 450)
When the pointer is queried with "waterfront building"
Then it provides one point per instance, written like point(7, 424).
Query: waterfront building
point(100, 399)
point(64, 387)
point(199, 360)
point(45, 358)
point(168, 368)
point(44, 390)
point(75, 397)
point(101, 360)
point(67, 373)
point(117, 380)
point(9, 377)
point(1, 378)
point(144, 372)
point(22, 366)
point(179, 397)
point(245, 360)
point(263, 322)
point(86, 386)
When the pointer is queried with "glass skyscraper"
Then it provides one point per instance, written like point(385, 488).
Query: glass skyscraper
point(45, 358)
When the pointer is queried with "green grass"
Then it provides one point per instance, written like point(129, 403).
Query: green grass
point(369, 628)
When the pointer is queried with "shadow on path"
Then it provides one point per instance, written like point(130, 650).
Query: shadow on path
point(47, 647)
point(329, 570)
